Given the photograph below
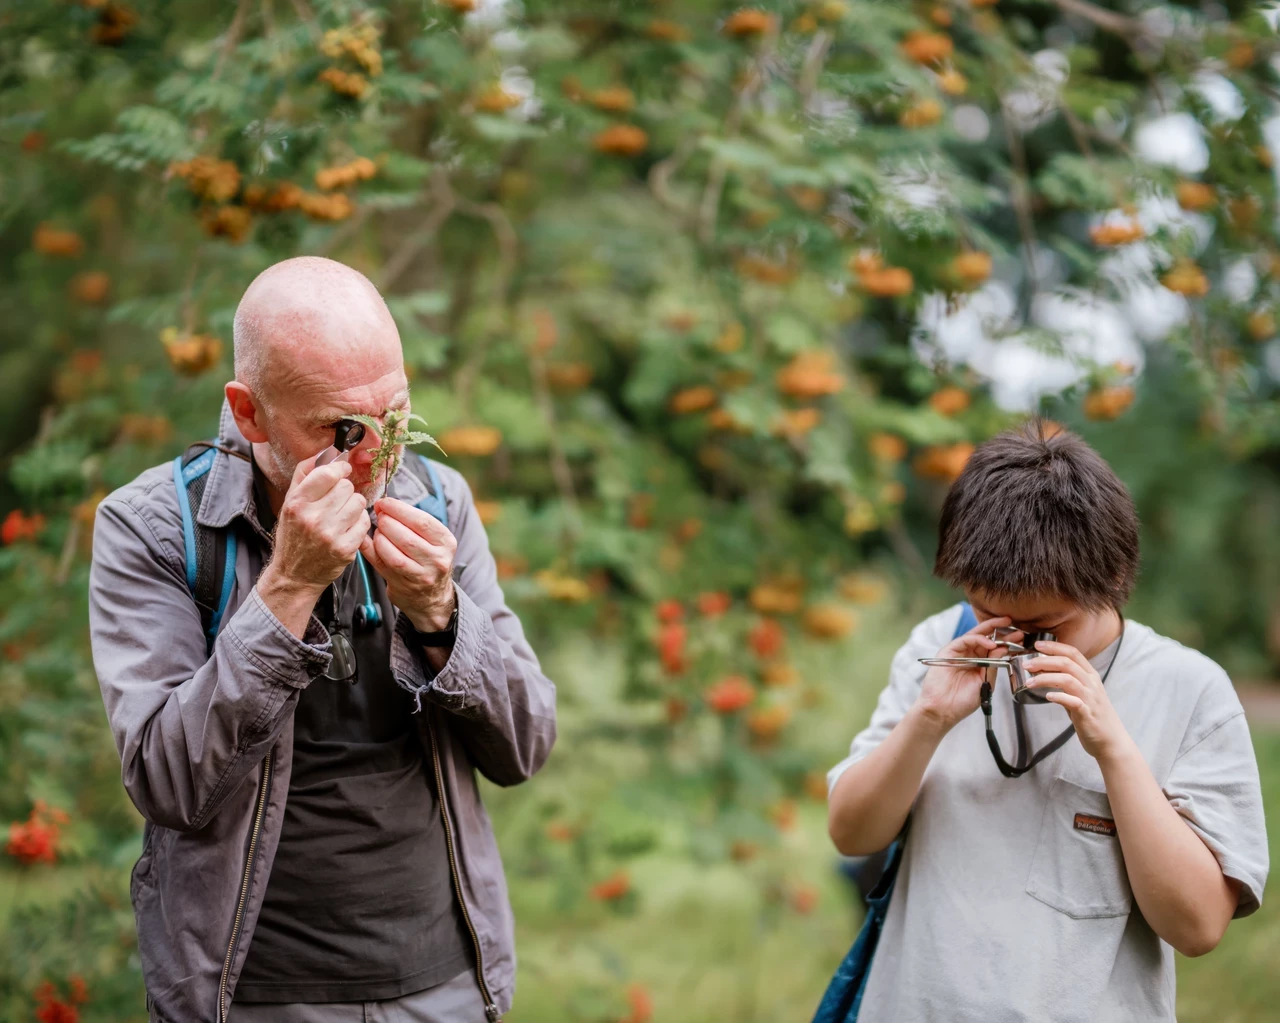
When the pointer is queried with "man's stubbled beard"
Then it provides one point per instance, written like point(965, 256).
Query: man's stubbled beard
point(283, 466)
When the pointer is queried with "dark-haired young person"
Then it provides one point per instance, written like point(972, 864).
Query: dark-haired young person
point(1060, 894)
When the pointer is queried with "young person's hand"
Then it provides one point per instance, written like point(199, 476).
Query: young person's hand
point(948, 695)
point(1083, 696)
point(413, 552)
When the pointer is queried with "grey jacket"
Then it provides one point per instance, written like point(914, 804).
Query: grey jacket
point(206, 741)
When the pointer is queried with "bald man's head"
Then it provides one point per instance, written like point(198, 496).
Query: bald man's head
point(314, 342)
point(306, 311)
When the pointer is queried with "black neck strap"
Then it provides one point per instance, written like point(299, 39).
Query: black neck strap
point(1056, 743)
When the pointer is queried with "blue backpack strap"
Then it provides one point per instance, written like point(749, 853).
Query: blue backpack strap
point(968, 620)
point(425, 469)
point(184, 474)
point(209, 577)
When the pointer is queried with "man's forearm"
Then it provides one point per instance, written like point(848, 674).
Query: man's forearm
point(292, 603)
point(870, 802)
point(1176, 880)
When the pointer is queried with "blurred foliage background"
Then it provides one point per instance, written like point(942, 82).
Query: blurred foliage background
point(683, 289)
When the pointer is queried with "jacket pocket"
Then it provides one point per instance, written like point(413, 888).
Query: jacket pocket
point(1078, 868)
point(142, 868)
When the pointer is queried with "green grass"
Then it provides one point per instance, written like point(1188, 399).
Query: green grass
point(710, 939)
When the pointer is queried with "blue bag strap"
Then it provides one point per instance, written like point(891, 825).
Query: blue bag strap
point(843, 998)
point(182, 477)
point(434, 503)
point(228, 581)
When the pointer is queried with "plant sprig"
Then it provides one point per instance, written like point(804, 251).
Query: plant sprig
point(393, 433)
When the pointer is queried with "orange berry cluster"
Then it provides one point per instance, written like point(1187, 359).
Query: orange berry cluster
point(52, 241)
point(360, 43)
point(190, 354)
point(337, 206)
point(345, 83)
point(208, 177)
point(879, 280)
point(115, 21)
point(477, 441)
point(811, 374)
point(747, 23)
point(622, 140)
point(1116, 232)
point(346, 174)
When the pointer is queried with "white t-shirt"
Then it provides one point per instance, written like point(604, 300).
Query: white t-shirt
point(1012, 902)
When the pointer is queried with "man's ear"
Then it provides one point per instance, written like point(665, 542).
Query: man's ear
point(250, 417)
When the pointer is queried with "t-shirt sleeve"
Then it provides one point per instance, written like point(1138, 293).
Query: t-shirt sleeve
point(1214, 785)
point(905, 675)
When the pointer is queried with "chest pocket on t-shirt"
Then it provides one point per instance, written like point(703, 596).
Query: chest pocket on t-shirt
point(1078, 868)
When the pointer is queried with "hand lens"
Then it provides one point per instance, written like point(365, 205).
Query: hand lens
point(347, 436)
point(1015, 661)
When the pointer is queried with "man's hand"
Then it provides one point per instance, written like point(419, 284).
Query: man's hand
point(318, 532)
point(1083, 695)
point(949, 695)
point(413, 552)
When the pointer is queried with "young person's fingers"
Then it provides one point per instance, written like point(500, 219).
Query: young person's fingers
point(1057, 680)
point(1056, 662)
point(1064, 650)
point(1072, 704)
point(985, 628)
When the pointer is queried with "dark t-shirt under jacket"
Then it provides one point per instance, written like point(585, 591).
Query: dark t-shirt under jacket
point(359, 904)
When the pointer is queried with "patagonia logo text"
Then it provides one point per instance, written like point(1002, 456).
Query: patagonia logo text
point(1098, 825)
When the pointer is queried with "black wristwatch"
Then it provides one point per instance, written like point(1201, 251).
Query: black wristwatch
point(445, 637)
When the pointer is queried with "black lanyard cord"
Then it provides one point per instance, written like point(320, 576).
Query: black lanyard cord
point(1055, 744)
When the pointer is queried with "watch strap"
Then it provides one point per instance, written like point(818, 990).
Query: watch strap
point(445, 637)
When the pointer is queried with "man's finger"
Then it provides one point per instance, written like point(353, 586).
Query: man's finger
point(390, 556)
point(426, 526)
point(319, 482)
point(304, 467)
point(371, 555)
point(409, 542)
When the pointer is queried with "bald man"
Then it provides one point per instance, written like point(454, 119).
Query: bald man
point(314, 846)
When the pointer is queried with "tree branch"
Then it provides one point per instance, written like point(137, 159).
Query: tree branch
point(413, 243)
point(812, 66)
point(1110, 21)
point(710, 205)
point(232, 37)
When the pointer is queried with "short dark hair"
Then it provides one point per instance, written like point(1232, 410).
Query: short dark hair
point(1037, 512)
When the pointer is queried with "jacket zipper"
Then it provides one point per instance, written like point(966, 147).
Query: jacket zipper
point(246, 877)
point(491, 1012)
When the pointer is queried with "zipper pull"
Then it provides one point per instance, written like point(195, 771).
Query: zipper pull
point(492, 1014)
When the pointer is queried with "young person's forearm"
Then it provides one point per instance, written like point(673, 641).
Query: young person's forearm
point(870, 802)
point(1176, 880)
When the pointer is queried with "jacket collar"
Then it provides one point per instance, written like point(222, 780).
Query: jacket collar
point(229, 490)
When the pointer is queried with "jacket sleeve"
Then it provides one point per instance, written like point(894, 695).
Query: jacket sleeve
point(502, 707)
point(189, 726)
